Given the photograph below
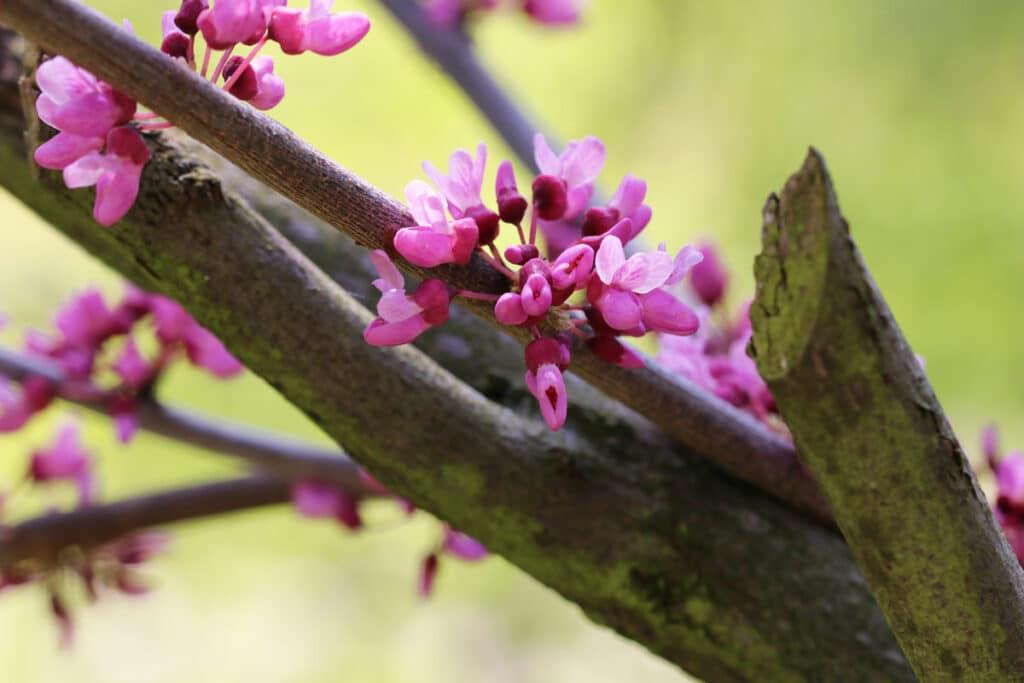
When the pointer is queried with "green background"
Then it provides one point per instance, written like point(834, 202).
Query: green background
point(917, 107)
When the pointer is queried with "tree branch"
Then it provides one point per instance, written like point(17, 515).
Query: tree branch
point(287, 458)
point(453, 51)
point(275, 156)
point(866, 420)
point(40, 542)
point(645, 536)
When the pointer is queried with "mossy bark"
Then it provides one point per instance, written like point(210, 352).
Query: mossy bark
point(867, 423)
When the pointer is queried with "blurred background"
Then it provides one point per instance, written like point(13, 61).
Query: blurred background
point(918, 110)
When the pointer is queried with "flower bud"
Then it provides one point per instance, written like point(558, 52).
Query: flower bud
point(709, 277)
point(550, 198)
point(521, 253)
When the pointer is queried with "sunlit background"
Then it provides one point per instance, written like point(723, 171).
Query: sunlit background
point(917, 107)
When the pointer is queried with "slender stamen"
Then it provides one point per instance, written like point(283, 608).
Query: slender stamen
point(246, 62)
point(533, 228)
point(476, 295)
point(222, 63)
point(522, 235)
point(206, 61)
point(191, 58)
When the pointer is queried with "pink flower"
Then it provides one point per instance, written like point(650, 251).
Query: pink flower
point(577, 167)
point(611, 350)
point(434, 240)
point(461, 188)
point(176, 44)
point(270, 88)
point(74, 101)
point(65, 460)
point(236, 21)
point(14, 409)
point(402, 317)
point(317, 30)
point(572, 267)
point(545, 360)
point(174, 325)
point(318, 500)
point(554, 12)
point(134, 370)
point(115, 173)
point(462, 546)
point(709, 278)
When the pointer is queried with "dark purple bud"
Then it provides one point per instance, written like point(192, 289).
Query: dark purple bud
point(176, 45)
point(545, 350)
point(709, 278)
point(550, 198)
point(599, 220)
point(187, 17)
point(487, 223)
point(512, 206)
point(521, 253)
point(247, 85)
point(534, 266)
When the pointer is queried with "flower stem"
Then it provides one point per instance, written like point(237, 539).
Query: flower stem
point(246, 62)
point(222, 63)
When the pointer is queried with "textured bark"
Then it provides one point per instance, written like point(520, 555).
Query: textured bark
point(868, 424)
point(643, 535)
point(273, 154)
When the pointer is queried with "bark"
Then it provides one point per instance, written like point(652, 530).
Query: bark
point(645, 536)
point(868, 424)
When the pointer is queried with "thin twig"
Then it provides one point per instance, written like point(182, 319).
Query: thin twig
point(287, 458)
point(39, 542)
point(277, 157)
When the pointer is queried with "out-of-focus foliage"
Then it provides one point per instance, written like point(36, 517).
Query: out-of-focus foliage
point(918, 109)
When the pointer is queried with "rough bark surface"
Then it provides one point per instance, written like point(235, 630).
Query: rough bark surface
point(868, 424)
point(643, 535)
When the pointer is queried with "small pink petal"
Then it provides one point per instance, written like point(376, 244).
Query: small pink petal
point(381, 333)
point(610, 258)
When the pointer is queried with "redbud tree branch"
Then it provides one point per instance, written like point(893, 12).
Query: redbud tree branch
point(453, 52)
point(868, 423)
point(641, 533)
point(39, 543)
point(287, 458)
point(275, 156)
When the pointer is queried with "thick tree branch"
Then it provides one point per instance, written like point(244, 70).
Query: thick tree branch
point(453, 51)
point(645, 536)
point(287, 458)
point(274, 155)
point(866, 420)
point(39, 543)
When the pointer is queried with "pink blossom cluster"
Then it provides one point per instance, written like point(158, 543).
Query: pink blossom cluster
point(319, 500)
point(583, 286)
point(99, 141)
point(715, 358)
point(1009, 473)
point(93, 341)
point(453, 13)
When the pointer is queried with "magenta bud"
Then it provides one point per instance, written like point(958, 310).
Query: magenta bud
point(545, 350)
point(535, 266)
point(599, 220)
point(550, 198)
point(187, 17)
point(509, 309)
point(487, 223)
point(521, 253)
point(512, 207)
point(247, 85)
point(709, 277)
point(536, 295)
point(176, 45)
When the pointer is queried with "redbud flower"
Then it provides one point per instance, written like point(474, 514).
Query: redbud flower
point(14, 409)
point(134, 370)
point(176, 44)
point(461, 188)
point(174, 325)
point(434, 240)
point(74, 101)
point(115, 173)
point(709, 278)
point(628, 202)
point(511, 205)
point(317, 30)
point(611, 350)
point(270, 88)
point(65, 460)
point(318, 500)
point(508, 310)
point(554, 12)
point(572, 267)
point(187, 16)
point(402, 317)
point(236, 21)
point(577, 167)
point(623, 280)
point(545, 360)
